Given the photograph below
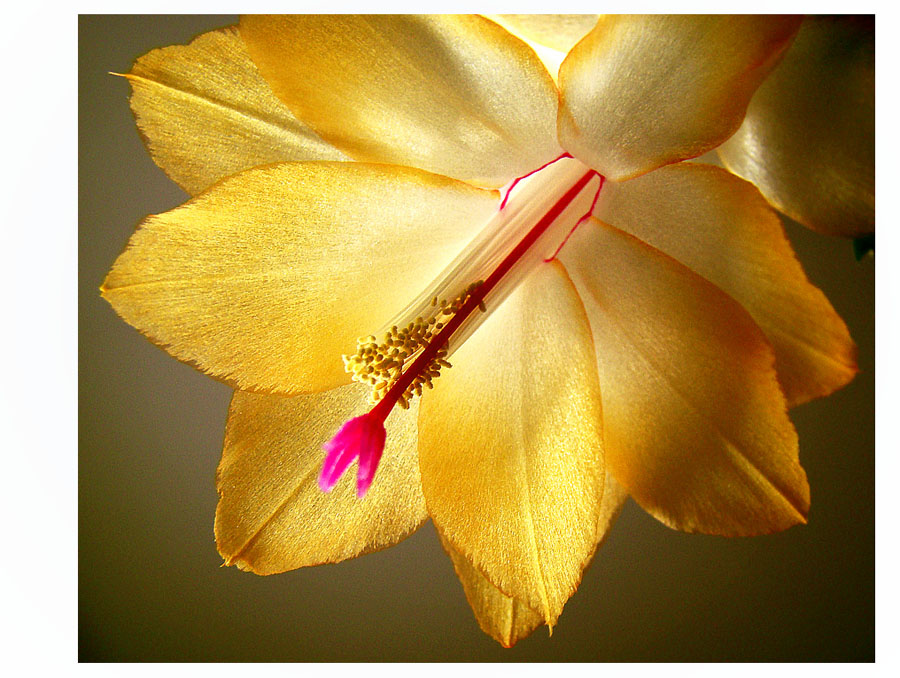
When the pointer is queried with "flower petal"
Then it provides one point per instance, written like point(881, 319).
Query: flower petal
point(205, 113)
point(268, 277)
point(722, 228)
point(557, 31)
point(510, 445)
point(643, 91)
point(808, 140)
point(508, 620)
point(273, 517)
point(456, 95)
point(694, 423)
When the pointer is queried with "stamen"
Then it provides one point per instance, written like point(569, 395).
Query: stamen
point(381, 365)
point(411, 355)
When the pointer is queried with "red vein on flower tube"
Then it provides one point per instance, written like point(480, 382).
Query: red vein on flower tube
point(578, 223)
point(363, 437)
point(525, 176)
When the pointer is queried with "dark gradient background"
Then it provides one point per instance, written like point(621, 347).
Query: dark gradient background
point(150, 582)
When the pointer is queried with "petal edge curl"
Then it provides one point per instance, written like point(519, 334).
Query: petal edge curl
point(639, 92)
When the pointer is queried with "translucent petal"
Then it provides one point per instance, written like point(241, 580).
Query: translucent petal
point(505, 619)
point(614, 498)
point(510, 445)
point(508, 620)
point(268, 277)
point(273, 517)
point(557, 31)
point(723, 229)
point(808, 141)
point(694, 423)
point(205, 113)
point(456, 95)
point(642, 91)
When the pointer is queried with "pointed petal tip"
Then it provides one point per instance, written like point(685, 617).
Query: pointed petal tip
point(542, 569)
point(107, 286)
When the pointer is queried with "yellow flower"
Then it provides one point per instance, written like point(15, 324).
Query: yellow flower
point(344, 171)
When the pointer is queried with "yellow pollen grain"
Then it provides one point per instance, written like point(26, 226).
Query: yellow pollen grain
point(380, 365)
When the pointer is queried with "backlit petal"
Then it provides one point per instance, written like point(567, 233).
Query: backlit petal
point(268, 277)
point(557, 31)
point(508, 620)
point(643, 91)
point(614, 498)
point(510, 445)
point(808, 140)
point(722, 228)
point(694, 423)
point(273, 517)
point(456, 95)
point(505, 619)
point(205, 112)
